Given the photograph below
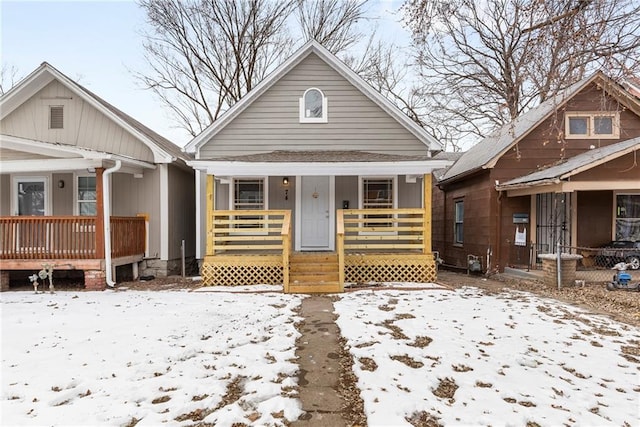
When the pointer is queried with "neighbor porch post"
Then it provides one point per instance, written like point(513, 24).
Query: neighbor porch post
point(426, 233)
point(211, 188)
point(100, 219)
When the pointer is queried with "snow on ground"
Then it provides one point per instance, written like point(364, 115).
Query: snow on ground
point(172, 358)
point(467, 358)
point(178, 358)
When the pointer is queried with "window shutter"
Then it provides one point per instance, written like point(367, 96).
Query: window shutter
point(56, 117)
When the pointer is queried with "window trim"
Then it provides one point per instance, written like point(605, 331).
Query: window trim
point(394, 183)
point(325, 112)
point(76, 188)
point(61, 108)
point(232, 192)
point(458, 222)
point(615, 208)
point(591, 116)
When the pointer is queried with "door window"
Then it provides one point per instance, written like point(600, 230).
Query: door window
point(31, 196)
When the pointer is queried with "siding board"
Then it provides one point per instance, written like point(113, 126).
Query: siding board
point(271, 122)
point(84, 125)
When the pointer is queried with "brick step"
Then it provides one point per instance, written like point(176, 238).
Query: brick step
point(315, 288)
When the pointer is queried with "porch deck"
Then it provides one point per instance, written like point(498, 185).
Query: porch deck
point(68, 243)
point(381, 245)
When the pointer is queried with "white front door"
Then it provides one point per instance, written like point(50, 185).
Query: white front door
point(315, 207)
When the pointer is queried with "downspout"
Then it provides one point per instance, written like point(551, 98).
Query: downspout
point(107, 221)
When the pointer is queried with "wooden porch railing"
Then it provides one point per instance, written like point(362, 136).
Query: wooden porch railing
point(246, 231)
point(381, 245)
point(248, 246)
point(67, 237)
point(382, 230)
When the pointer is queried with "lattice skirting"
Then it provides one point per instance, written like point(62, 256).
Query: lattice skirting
point(242, 270)
point(367, 268)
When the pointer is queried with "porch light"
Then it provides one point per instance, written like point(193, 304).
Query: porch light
point(285, 181)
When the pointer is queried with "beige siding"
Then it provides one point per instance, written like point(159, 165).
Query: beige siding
point(182, 212)
point(272, 121)
point(62, 198)
point(409, 194)
point(132, 196)
point(5, 195)
point(8, 155)
point(84, 125)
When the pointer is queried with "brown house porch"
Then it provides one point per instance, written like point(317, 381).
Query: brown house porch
point(69, 243)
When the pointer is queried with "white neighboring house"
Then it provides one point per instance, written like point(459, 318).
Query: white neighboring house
point(84, 186)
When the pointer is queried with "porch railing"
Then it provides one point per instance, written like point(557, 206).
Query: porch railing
point(382, 230)
point(248, 247)
point(247, 231)
point(67, 237)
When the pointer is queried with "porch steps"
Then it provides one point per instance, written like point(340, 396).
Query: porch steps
point(315, 273)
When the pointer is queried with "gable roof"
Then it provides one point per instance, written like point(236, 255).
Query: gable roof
point(488, 151)
point(313, 47)
point(573, 165)
point(164, 151)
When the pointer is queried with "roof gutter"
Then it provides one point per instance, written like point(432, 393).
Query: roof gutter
point(106, 191)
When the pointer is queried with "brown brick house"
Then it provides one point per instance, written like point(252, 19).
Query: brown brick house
point(566, 171)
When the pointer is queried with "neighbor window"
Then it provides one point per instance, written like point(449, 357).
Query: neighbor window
point(458, 226)
point(378, 193)
point(56, 117)
point(248, 194)
point(592, 125)
point(628, 217)
point(87, 195)
point(313, 106)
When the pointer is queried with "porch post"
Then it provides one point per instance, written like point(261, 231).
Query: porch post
point(426, 201)
point(211, 184)
point(100, 219)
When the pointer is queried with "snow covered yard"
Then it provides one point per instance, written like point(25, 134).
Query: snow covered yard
point(180, 358)
point(468, 358)
point(173, 358)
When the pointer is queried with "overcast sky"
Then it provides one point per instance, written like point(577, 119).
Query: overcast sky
point(99, 44)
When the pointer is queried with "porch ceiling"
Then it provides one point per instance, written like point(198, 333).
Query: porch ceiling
point(309, 163)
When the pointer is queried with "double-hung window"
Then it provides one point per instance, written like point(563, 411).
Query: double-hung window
point(592, 125)
point(458, 224)
point(86, 195)
point(377, 193)
point(249, 194)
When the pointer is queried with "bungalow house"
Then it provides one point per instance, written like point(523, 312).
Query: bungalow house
point(85, 188)
point(564, 172)
point(314, 179)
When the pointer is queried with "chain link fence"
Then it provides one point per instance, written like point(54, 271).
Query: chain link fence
point(586, 266)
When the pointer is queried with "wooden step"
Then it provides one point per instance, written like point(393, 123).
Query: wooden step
point(315, 257)
point(312, 267)
point(315, 288)
point(314, 276)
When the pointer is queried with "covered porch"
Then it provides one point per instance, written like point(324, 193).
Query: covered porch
point(56, 211)
point(69, 243)
point(249, 246)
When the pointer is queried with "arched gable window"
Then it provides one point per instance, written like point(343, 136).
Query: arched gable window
point(313, 106)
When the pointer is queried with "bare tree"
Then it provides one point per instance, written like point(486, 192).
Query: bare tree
point(333, 23)
point(485, 63)
point(206, 54)
point(9, 76)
